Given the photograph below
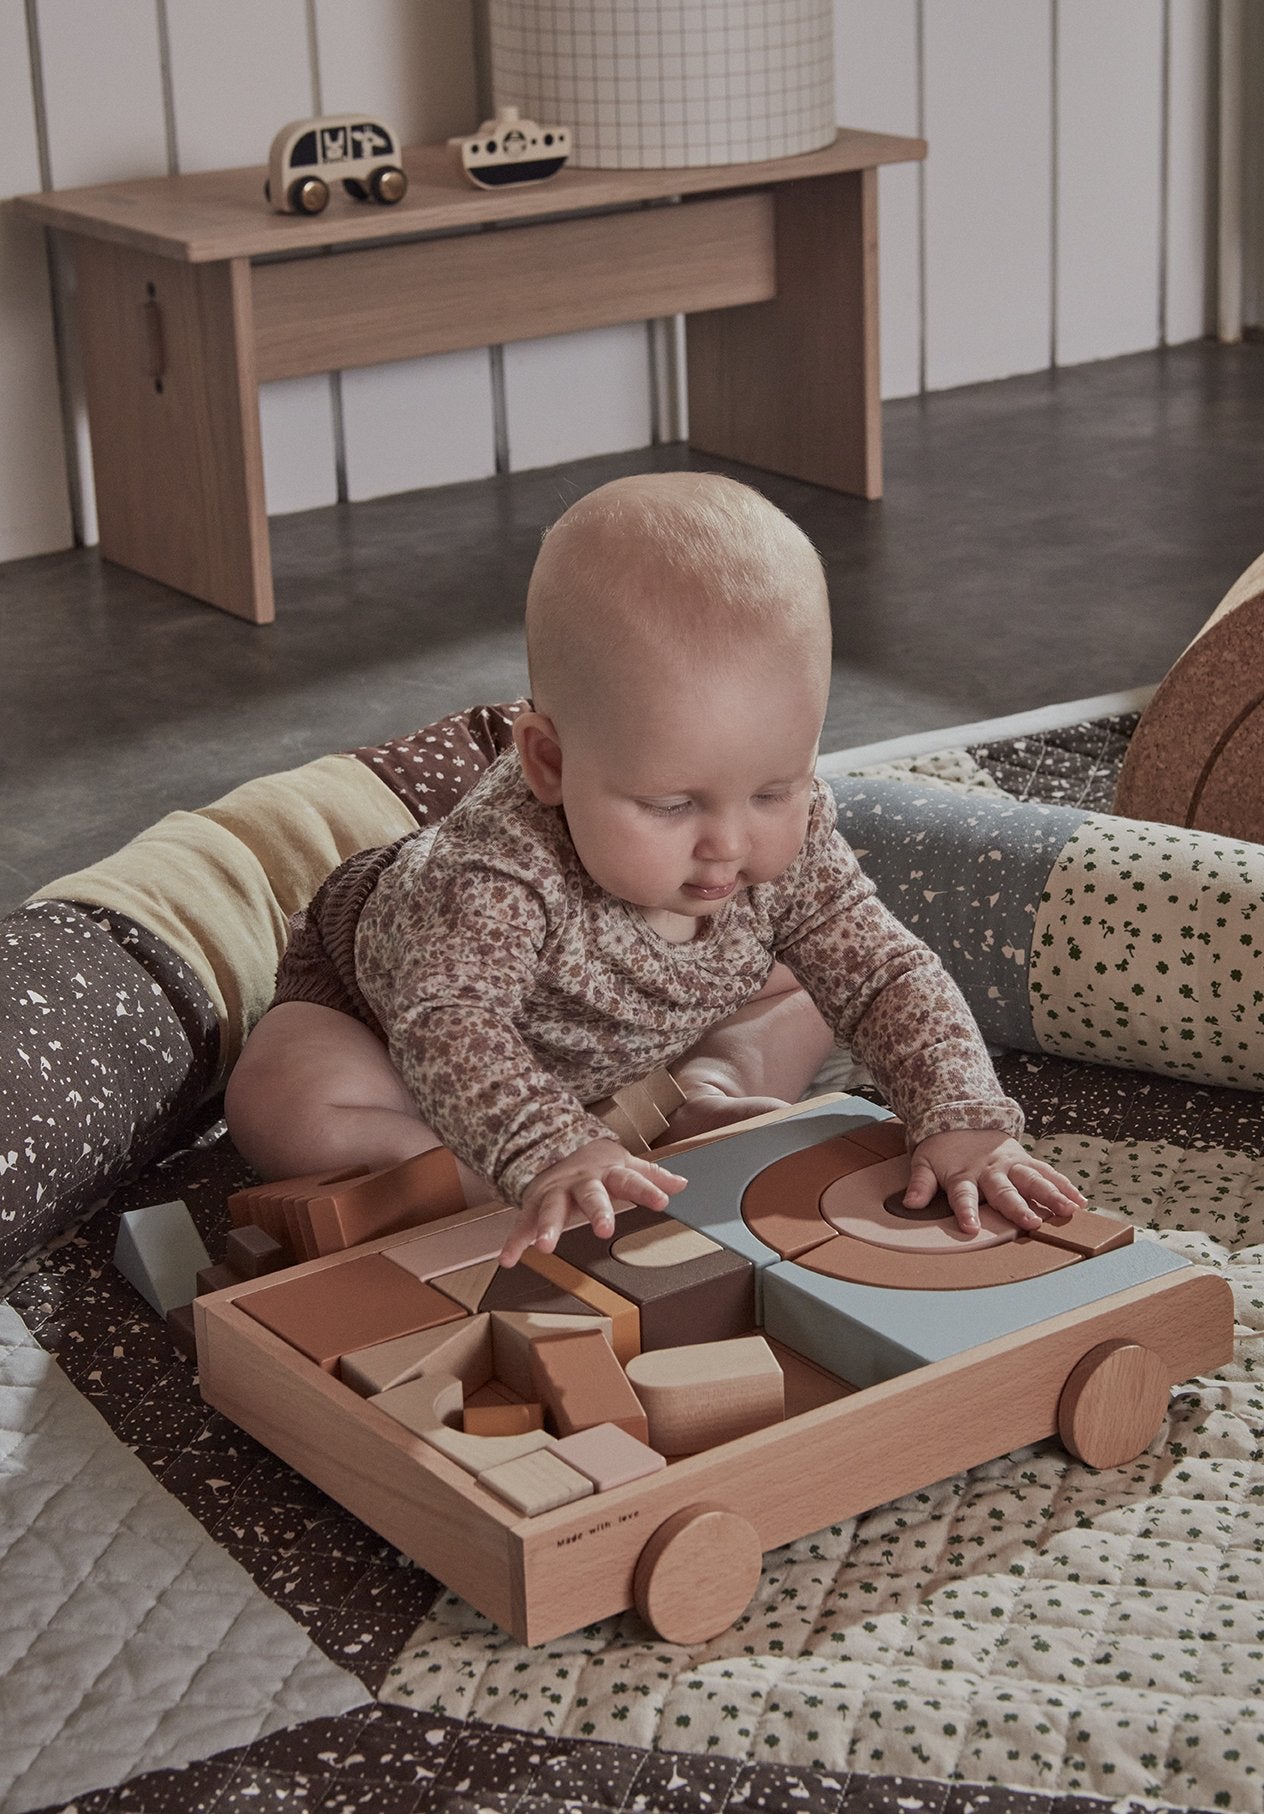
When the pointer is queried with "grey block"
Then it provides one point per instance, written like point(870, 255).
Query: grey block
point(160, 1251)
point(966, 873)
point(868, 1333)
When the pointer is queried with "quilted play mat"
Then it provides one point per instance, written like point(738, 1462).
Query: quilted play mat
point(188, 1624)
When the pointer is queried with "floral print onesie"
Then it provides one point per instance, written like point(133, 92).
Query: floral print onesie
point(511, 989)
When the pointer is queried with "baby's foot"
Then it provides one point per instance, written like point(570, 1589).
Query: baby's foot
point(709, 1109)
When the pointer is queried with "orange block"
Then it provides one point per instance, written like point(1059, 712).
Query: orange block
point(581, 1383)
point(338, 1309)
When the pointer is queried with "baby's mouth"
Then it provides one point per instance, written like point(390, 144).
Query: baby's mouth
point(710, 891)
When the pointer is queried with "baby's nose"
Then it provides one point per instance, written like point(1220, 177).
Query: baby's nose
point(722, 841)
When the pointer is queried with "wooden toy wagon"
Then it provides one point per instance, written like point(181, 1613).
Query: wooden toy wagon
point(635, 1421)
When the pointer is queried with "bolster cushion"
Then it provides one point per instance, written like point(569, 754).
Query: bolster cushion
point(1110, 940)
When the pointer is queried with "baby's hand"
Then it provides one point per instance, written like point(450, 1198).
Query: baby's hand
point(591, 1180)
point(970, 1165)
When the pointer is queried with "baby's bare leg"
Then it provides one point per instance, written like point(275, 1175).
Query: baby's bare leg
point(760, 1058)
point(314, 1090)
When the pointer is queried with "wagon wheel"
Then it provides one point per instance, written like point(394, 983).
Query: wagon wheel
point(1113, 1404)
point(697, 1573)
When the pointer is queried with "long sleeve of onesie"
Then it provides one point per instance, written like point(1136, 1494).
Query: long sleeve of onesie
point(451, 981)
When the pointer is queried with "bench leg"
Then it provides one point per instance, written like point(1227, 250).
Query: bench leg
point(173, 408)
point(791, 385)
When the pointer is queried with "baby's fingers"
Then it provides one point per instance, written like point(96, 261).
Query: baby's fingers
point(641, 1181)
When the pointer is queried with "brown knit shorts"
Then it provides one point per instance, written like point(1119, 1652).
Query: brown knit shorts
point(430, 771)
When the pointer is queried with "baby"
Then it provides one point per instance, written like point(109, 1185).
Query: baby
point(651, 876)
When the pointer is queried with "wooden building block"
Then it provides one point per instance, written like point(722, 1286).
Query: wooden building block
point(580, 1383)
point(534, 1483)
point(720, 1171)
point(686, 1287)
point(707, 1393)
point(502, 1419)
point(467, 1285)
point(252, 1252)
point(1086, 1231)
point(638, 1113)
point(263, 1204)
point(463, 1347)
point(181, 1329)
point(459, 1241)
point(491, 1393)
point(867, 1333)
point(338, 1309)
point(945, 1270)
point(158, 1249)
point(608, 1455)
point(886, 1137)
point(215, 1278)
point(527, 1287)
point(421, 1189)
point(625, 1318)
point(514, 1331)
point(428, 1402)
point(477, 1453)
point(782, 1204)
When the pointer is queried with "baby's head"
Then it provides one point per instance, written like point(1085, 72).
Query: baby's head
point(674, 576)
point(678, 639)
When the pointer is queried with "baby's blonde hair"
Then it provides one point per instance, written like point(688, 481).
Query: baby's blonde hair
point(672, 569)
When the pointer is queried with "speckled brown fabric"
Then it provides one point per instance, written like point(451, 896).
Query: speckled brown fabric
point(433, 768)
point(107, 1043)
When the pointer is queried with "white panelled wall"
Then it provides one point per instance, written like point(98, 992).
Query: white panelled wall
point(1066, 213)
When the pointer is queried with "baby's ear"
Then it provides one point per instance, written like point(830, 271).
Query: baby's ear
point(540, 752)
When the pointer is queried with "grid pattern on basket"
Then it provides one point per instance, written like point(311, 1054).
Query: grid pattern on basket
point(651, 84)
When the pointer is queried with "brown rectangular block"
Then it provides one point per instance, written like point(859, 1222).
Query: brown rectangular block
point(263, 1203)
point(1086, 1232)
point(334, 1311)
point(514, 1331)
point(215, 1278)
point(180, 1329)
point(580, 1383)
point(252, 1252)
point(704, 1298)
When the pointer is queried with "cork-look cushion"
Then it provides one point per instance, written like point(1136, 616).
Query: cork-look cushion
point(1197, 756)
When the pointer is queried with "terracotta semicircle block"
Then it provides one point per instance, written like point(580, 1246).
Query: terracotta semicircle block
point(863, 1264)
point(782, 1204)
point(1196, 756)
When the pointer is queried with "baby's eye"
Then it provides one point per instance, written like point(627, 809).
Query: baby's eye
point(772, 798)
point(666, 809)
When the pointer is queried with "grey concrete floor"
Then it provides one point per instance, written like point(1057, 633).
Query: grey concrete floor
point(1042, 539)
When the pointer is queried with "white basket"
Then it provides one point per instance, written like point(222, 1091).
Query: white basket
point(654, 84)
